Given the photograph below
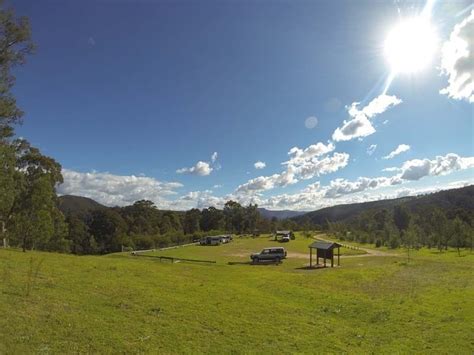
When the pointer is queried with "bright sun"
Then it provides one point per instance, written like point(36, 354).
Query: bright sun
point(410, 46)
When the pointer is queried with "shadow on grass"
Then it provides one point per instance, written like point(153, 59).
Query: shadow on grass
point(315, 267)
point(252, 263)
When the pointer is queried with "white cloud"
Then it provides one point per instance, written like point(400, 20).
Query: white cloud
point(399, 150)
point(340, 187)
point(296, 169)
point(359, 125)
point(315, 150)
point(316, 167)
point(111, 190)
point(303, 163)
point(260, 183)
point(378, 105)
point(201, 169)
point(214, 157)
point(457, 61)
point(442, 165)
point(391, 169)
point(259, 165)
point(91, 41)
point(371, 149)
point(338, 191)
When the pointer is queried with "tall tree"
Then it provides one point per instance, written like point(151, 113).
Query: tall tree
point(401, 218)
point(458, 231)
point(15, 44)
point(191, 221)
point(36, 220)
point(7, 188)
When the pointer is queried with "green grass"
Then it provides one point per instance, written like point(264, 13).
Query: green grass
point(120, 303)
point(239, 249)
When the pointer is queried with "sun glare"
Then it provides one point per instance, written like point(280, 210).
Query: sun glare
point(410, 46)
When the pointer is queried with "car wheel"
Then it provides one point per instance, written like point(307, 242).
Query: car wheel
point(278, 260)
point(255, 260)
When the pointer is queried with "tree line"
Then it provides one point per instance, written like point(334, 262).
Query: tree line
point(428, 226)
point(143, 226)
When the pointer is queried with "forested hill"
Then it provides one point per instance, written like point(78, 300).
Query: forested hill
point(78, 205)
point(447, 200)
point(283, 214)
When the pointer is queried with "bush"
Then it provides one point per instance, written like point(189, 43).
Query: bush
point(394, 242)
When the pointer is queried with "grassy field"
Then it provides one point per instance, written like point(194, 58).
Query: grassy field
point(119, 303)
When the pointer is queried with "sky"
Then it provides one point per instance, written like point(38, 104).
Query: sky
point(288, 104)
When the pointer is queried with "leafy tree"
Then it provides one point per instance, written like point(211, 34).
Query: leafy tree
point(212, 219)
point(109, 230)
point(166, 226)
point(234, 216)
point(250, 219)
point(191, 221)
point(439, 224)
point(82, 242)
point(410, 238)
point(15, 44)
point(401, 218)
point(7, 187)
point(458, 233)
point(381, 219)
point(36, 220)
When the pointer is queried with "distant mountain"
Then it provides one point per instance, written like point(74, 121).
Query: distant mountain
point(448, 200)
point(268, 214)
point(78, 205)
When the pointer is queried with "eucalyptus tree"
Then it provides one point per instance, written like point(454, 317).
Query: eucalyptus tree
point(15, 45)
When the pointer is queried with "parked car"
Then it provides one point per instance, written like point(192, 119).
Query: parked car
point(285, 239)
point(275, 254)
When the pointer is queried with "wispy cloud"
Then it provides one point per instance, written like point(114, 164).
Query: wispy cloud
point(371, 149)
point(399, 150)
point(360, 125)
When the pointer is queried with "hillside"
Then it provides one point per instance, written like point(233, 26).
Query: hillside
point(283, 214)
point(78, 205)
point(462, 198)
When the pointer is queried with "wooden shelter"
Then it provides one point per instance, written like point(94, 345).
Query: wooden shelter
point(324, 250)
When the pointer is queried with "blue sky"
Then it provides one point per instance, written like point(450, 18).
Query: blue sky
point(130, 95)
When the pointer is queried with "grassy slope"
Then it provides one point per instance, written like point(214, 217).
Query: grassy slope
point(121, 303)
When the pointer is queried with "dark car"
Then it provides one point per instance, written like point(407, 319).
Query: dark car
point(275, 254)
